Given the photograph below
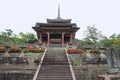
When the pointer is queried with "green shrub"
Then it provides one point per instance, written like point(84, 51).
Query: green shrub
point(75, 63)
point(36, 61)
point(35, 50)
point(15, 49)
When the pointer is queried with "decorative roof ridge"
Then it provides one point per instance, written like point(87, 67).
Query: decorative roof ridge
point(58, 11)
point(58, 19)
point(56, 23)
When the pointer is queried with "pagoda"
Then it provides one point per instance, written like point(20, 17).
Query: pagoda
point(56, 31)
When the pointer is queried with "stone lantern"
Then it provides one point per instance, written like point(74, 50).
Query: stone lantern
point(22, 51)
point(7, 49)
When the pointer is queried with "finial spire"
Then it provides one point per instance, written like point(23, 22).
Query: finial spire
point(58, 11)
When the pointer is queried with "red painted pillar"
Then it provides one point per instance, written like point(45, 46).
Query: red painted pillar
point(62, 38)
point(48, 35)
point(71, 37)
point(40, 38)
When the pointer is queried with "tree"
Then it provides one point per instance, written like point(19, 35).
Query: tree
point(9, 32)
point(113, 40)
point(8, 38)
point(27, 38)
point(5, 37)
point(106, 42)
point(93, 35)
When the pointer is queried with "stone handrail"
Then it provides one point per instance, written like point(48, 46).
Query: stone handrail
point(70, 65)
point(39, 66)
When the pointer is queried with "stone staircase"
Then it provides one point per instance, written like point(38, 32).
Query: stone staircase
point(55, 66)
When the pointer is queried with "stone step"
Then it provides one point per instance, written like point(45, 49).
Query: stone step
point(60, 74)
point(55, 63)
point(55, 66)
point(54, 79)
point(54, 75)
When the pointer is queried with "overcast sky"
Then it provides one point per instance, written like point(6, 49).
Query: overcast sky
point(21, 15)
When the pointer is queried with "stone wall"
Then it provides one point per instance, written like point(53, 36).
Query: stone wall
point(88, 72)
point(16, 76)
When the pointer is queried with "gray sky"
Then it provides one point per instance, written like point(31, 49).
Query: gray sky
point(21, 15)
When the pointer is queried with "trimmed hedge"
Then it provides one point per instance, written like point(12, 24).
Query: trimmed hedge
point(2, 49)
point(75, 51)
point(95, 51)
point(16, 49)
point(35, 50)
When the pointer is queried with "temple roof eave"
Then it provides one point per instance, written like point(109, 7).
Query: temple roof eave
point(55, 24)
point(59, 20)
point(37, 29)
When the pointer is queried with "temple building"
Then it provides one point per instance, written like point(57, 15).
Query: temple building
point(56, 31)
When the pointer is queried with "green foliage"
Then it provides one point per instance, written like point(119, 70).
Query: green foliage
point(79, 42)
point(75, 63)
point(15, 49)
point(9, 32)
point(36, 61)
point(92, 34)
point(27, 38)
point(84, 63)
point(8, 38)
point(106, 42)
point(34, 50)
